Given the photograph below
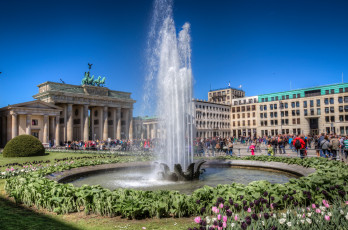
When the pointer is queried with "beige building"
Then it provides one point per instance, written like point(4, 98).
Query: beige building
point(64, 113)
point(225, 95)
point(146, 128)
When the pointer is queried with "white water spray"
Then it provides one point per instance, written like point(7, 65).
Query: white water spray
point(169, 62)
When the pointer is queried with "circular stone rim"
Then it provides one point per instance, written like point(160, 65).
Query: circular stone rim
point(294, 169)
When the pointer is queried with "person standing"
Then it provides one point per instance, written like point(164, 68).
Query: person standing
point(252, 149)
point(300, 145)
point(335, 146)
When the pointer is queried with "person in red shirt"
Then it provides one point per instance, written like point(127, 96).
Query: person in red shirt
point(300, 145)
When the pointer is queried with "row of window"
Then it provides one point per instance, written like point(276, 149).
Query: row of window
point(212, 108)
point(307, 94)
point(243, 115)
point(243, 123)
point(200, 115)
point(295, 121)
point(243, 108)
point(273, 132)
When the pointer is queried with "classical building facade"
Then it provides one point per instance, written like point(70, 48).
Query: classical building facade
point(64, 113)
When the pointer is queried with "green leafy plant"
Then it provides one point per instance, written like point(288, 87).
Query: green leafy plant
point(24, 146)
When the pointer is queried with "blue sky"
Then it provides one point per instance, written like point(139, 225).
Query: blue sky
point(262, 45)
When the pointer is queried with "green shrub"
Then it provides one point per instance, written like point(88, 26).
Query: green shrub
point(24, 146)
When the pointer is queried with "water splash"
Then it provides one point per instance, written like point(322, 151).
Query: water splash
point(169, 85)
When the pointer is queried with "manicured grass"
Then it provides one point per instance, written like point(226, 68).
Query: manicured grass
point(14, 216)
point(50, 156)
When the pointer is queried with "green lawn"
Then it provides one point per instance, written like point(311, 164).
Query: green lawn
point(14, 216)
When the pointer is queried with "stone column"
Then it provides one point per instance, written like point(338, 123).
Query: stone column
point(57, 131)
point(105, 123)
point(126, 117)
point(84, 123)
point(148, 131)
point(9, 125)
point(114, 124)
point(28, 125)
point(45, 131)
point(69, 131)
point(3, 130)
point(131, 124)
point(14, 125)
point(118, 115)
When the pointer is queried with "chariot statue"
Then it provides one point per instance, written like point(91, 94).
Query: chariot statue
point(89, 80)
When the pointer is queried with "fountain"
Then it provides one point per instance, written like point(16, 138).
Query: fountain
point(170, 70)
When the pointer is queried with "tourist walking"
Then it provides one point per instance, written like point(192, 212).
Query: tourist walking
point(252, 149)
point(335, 146)
point(300, 145)
point(325, 144)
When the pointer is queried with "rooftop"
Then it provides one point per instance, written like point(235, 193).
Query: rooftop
point(229, 87)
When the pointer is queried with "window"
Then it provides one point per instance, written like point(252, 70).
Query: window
point(286, 105)
point(76, 112)
point(265, 107)
point(346, 90)
point(318, 102)
point(265, 115)
point(293, 112)
point(276, 122)
point(331, 100)
point(341, 118)
point(340, 90)
point(294, 121)
point(305, 104)
point(312, 112)
point(332, 119)
point(276, 98)
point(272, 98)
point(298, 95)
point(345, 99)
point(266, 99)
point(76, 121)
point(294, 96)
point(282, 114)
point(327, 119)
point(326, 101)
point(271, 114)
point(332, 91)
point(311, 103)
point(95, 113)
point(292, 104)
point(262, 99)
point(346, 108)
point(283, 97)
point(326, 109)
point(332, 110)
point(286, 113)
point(261, 115)
point(61, 120)
point(305, 112)
point(298, 121)
point(287, 96)
point(326, 91)
point(271, 106)
point(340, 109)
point(340, 100)
point(96, 122)
point(318, 111)
point(36, 122)
point(298, 112)
point(35, 134)
point(297, 104)
point(275, 106)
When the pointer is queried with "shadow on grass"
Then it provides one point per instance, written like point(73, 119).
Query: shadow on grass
point(16, 217)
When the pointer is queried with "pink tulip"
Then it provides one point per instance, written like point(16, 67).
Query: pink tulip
point(324, 202)
point(308, 209)
point(318, 210)
point(219, 228)
point(272, 206)
point(304, 215)
point(327, 218)
point(235, 217)
point(346, 202)
point(214, 209)
point(224, 218)
point(249, 209)
point(313, 206)
point(219, 217)
point(327, 205)
point(221, 205)
point(198, 219)
point(224, 225)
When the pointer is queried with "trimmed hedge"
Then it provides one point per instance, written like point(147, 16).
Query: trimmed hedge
point(24, 146)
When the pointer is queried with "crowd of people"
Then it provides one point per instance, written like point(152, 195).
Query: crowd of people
point(325, 145)
point(328, 146)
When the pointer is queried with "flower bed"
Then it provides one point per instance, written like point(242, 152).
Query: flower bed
point(315, 216)
point(328, 182)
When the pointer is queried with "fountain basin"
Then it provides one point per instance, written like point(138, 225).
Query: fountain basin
point(140, 175)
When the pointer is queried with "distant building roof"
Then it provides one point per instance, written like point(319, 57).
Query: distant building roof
point(229, 87)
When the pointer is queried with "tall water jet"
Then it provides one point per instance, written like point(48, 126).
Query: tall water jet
point(169, 62)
